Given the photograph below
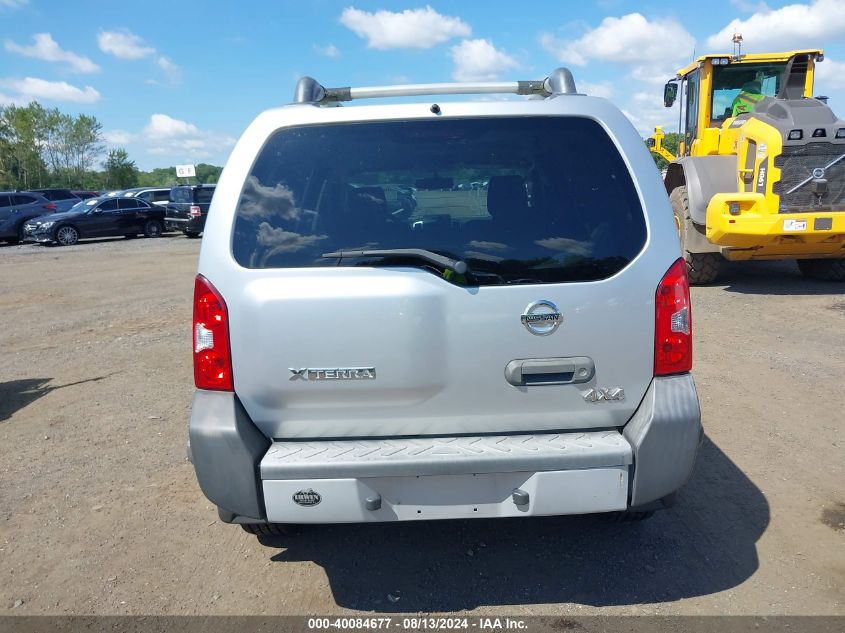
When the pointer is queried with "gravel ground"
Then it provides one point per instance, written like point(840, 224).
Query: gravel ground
point(100, 512)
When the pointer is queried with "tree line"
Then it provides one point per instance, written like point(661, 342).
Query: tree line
point(44, 147)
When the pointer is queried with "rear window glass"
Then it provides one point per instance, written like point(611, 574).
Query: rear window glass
point(57, 194)
point(520, 200)
point(203, 195)
point(180, 194)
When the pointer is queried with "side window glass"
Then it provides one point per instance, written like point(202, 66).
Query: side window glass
point(692, 110)
point(161, 196)
point(109, 205)
point(127, 203)
point(4, 201)
point(22, 200)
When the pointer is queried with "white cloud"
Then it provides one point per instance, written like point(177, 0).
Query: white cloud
point(330, 50)
point(48, 50)
point(13, 4)
point(171, 70)
point(118, 137)
point(601, 89)
point(792, 26)
point(412, 28)
point(829, 74)
point(123, 44)
point(32, 88)
point(479, 60)
point(15, 100)
point(162, 126)
point(631, 39)
point(750, 7)
point(180, 139)
point(654, 74)
point(645, 118)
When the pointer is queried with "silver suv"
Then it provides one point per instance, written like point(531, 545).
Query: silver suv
point(378, 337)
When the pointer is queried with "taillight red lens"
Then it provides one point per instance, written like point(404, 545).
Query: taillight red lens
point(212, 354)
point(50, 206)
point(673, 322)
point(196, 211)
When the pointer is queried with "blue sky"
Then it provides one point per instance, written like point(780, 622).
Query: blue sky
point(177, 82)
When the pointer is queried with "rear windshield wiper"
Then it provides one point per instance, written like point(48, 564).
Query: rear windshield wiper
point(456, 265)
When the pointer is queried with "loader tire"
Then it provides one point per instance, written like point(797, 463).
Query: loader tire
point(702, 268)
point(823, 269)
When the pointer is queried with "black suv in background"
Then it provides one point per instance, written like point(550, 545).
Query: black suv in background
point(64, 199)
point(188, 207)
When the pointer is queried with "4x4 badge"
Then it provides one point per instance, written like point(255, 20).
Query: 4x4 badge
point(604, 395)
point(541, 317)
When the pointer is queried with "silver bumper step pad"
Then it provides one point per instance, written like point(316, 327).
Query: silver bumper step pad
point(444, 455)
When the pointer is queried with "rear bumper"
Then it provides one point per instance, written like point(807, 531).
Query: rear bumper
point(251, 479)
point(818, 234)
point(188, 225)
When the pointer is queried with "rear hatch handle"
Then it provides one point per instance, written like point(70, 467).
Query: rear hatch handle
point(550, 371)
point(457, 265)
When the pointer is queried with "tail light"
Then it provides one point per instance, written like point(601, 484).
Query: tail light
point(50, 206)
point(195, 211)
point(673, 322)
point(212, 353)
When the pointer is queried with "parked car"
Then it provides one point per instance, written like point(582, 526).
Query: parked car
point(488, 354)
point(188, 208)
point(159, 196)
point(85, 195)
point(64, 199)
point(16, 207)
point(97, 217)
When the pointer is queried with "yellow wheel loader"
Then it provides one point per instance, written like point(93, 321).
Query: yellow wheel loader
point(760, 171)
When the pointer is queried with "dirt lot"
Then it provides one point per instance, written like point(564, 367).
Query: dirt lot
point(100, 511)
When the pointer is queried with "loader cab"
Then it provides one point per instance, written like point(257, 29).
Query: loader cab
point(708, 87)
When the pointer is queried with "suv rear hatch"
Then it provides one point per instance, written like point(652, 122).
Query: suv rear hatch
point(190, 202)
point(339, 330)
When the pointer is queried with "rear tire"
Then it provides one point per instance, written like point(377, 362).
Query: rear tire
point(67, 236)
point(153, 228)
point(267, 529)
point(823, 269)
point(702, 268)
point(191, 235)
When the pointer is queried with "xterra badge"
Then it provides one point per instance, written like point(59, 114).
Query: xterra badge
point(307, 498)
point(335, 373)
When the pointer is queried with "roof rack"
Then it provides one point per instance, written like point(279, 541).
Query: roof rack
point(560, 81)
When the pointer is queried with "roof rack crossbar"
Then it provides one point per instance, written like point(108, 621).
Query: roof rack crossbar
point(309, 90)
